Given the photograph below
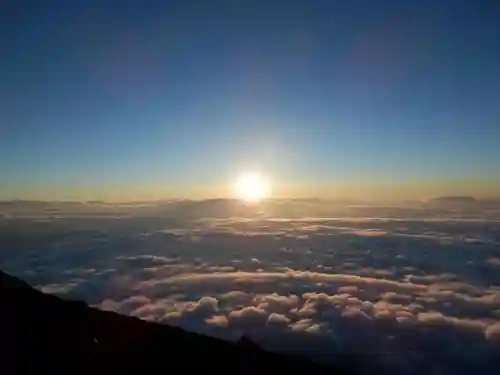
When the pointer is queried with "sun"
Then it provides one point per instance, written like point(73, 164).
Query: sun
point(252, 187)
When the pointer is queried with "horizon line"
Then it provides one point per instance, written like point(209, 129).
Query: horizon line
point(304, 198)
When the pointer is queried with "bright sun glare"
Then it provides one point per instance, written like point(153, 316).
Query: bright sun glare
point(252, 187)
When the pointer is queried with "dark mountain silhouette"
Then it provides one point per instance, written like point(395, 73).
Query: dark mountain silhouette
point(453, 200)
point(44, 334)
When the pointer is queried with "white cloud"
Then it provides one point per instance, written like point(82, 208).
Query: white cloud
point(401, 292)
point(278, 320)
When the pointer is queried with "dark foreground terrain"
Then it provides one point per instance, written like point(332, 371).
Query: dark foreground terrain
point(44, 334)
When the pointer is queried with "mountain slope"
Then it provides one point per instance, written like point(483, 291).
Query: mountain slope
point(44, 333)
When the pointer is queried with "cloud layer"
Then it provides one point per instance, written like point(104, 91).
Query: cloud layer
point(404, 291)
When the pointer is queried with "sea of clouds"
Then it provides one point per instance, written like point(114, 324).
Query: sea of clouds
point(406, 289)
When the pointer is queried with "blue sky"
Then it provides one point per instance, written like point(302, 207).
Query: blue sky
point(138, 99)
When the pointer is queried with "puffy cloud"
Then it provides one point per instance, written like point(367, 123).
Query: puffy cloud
point(217, 320)
point(308, 326)
point(126, 306)
point(205, 306)
point(248, 317)
point(277, 303)
point(109, 305)
point(154, 311)
point(278, 320)
point(394, 289)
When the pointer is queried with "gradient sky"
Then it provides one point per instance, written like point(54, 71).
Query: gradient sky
point(156, 99)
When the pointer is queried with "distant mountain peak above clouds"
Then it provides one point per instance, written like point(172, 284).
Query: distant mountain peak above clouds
point(455, 198)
